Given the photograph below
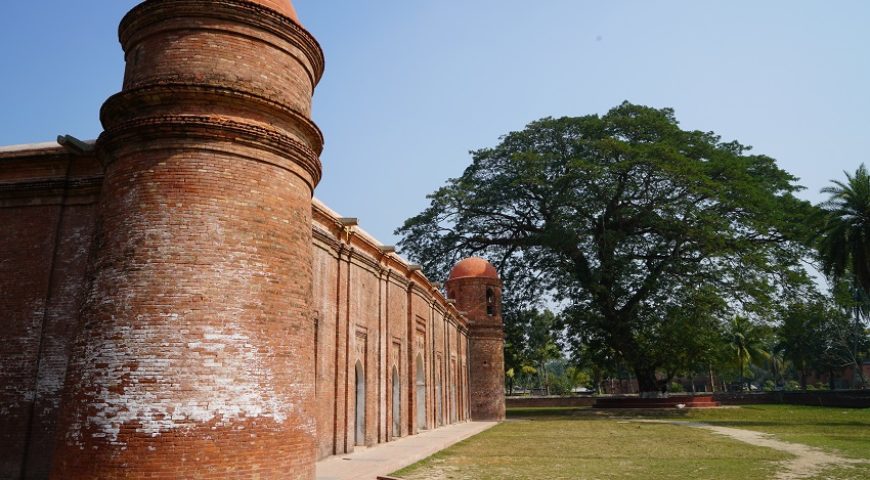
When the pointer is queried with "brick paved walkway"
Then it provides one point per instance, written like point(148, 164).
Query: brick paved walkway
point(369, 463)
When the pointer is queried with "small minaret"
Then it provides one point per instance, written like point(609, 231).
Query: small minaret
point(476, 287)
point(195, 357)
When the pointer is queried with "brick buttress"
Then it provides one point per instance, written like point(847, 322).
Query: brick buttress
point(195, 357)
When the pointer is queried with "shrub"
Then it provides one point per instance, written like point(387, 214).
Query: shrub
point(792, 385)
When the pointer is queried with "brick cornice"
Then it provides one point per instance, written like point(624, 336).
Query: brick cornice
point(75, 186)
point(209, 127)
point(119, 107)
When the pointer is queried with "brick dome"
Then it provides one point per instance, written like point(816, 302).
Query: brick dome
point(284, 7)
point(475, 267)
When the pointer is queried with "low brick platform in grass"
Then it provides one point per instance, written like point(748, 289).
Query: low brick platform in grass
point(621, 401)
point(551, 402)
point(824, 398)
point(838, 398)
point(672, 401)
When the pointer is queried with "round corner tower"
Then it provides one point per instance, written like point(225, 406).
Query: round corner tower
point(195, 357)
point(475, 286)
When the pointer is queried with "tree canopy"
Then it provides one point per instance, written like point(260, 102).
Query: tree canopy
point(642, 229)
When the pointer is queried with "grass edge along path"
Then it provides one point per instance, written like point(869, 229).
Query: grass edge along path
point(612, 451)
point(807, 462)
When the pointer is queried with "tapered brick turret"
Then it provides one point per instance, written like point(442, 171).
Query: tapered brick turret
point(476, 287)
point(195, 358)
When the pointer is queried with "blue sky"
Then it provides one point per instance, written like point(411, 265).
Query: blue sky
point(412, 86)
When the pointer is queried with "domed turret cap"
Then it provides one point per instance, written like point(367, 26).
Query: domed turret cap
point(473, 267)
point(284, 7)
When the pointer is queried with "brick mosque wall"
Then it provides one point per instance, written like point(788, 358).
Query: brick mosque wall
point(176, 305)
point(47, 205)
point(366, 301)
point(372, 310)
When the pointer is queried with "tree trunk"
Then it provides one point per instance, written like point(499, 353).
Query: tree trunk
point(859, 368)
point(647, 383)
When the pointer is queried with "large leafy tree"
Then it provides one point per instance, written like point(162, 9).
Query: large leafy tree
point(623, 217)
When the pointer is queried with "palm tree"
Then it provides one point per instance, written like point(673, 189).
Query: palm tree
point(844, 243)
point(747, 340)
point(775, 358)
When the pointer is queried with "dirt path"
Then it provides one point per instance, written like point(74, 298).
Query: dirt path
point(808, 461)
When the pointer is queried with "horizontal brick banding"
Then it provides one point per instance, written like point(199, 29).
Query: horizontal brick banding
point(206, 99)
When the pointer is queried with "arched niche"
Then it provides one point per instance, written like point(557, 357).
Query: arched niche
point(421, 393)
point(360, 410)
point(397, 404)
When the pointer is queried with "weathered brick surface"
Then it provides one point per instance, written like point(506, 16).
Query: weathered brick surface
point(23, 307)
point(46, 208)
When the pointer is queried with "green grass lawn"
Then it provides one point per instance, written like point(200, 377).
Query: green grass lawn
point(585, 443)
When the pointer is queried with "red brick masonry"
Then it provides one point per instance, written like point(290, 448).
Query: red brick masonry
point(176, 305)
